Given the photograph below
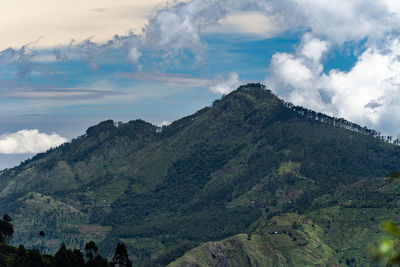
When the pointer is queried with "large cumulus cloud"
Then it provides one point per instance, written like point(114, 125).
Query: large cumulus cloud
point(29, 141)
point(369, 93)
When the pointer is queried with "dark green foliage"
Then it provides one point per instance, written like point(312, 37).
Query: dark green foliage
point(7, 218)
point(98, 261)
point(6, 229)
point(2, 261)
point(394, 175)
point(249, 236)
point(121, 258)
point(171, 254)
point(34, 258)
point(77, 257)
point(65, 257)
point(205, 177)
point(92, 258)
point(91, 250)
point(101, 128)
point(21, 256)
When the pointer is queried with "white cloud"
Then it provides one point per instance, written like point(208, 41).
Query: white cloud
point(23, 21)
point(313, 48)
point(180, 27)
point(223, 85)
point(134, 55)
point(299, 70)
point(252, 23)
point(291, 70)
point(173, 29)
point(29, 141)
point(164, 123)
point(171, 32)
point(22, 58)
point(337, 20)
point(368, 94)
point(177, 28)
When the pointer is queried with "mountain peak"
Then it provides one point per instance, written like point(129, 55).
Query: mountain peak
point(205, 177)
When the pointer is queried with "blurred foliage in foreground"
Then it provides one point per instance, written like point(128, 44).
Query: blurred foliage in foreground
point(388, 251)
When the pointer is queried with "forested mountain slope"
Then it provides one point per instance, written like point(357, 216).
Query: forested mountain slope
point(220, 172)
point(337, 229)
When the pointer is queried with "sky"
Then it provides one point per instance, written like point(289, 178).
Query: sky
point(67, 65)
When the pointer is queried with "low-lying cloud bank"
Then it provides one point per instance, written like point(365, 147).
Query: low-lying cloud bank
point(29, 141)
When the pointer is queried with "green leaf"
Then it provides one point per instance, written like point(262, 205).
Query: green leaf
point(392, 229)
point(394, 175)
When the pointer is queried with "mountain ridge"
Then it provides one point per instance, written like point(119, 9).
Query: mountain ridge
point(208, 176)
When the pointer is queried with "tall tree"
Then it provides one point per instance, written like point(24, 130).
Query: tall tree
point(20, 259)
point(92, 258)
point(2, 260)
point(34, 258)
point(121, 258)
point(91, 250)
point(65, 257)
point(6, 229)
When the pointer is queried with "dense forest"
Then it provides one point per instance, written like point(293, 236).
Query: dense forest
point(64, 257)
point(229, 170)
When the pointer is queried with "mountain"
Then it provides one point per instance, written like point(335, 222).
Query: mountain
point(338, 229)
point(233, 168)
point(287, 240)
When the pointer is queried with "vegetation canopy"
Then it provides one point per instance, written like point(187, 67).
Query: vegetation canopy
point(225, 178)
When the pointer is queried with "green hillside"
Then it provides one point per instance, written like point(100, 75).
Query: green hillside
point(287, 240)
point(228, 169)
point(337, 230)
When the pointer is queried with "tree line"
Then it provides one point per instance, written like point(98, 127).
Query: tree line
point(339, 122)
point(64, 257)
point(321, 117)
